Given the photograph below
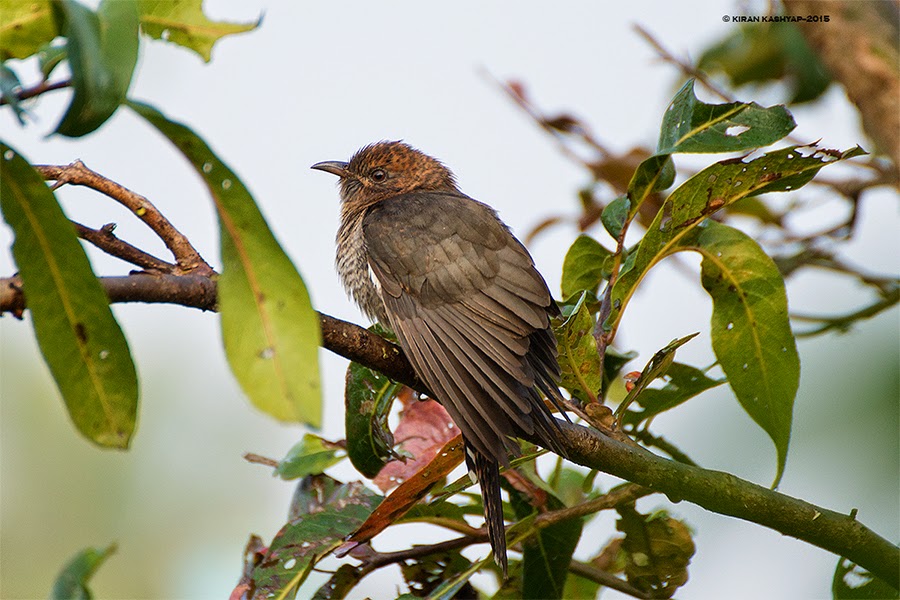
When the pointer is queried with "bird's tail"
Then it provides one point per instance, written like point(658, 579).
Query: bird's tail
point(487, 470)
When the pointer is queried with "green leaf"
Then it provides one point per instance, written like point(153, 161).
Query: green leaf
point(9, 88)
point(657, 367)
point(340, 583)
point(770, 52)
point(569, 486)
point(710, 190)
point(683, 383)
point(426, 573)
point(766, 387)
point(368, 397)
point(310, 456)
point(71, 583)
point(311, 536)
point(51, 57)
point(852, 582)
point(450, 587)
point(440, 508)
point(653, 175)
point(751, 331)
point(75, 328)
point(585, 266)
point(580, 588)
point(182, 22)
point(546, 554)
point(657, 551)
point(690, 125)
point(269, 328)
point(615, 215)
point(578, 357)
point(27, 25)
point(102, 51)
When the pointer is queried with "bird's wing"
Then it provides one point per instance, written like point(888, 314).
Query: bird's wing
point(471, 312)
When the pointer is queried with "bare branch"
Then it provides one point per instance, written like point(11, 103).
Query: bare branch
point(106, 240)
point(37, 90)
point(605, 578)
point(186, 256)
point(685, 66)
point(622, 494)
point(193, 291)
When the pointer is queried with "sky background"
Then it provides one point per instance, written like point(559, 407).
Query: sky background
point(315, 82)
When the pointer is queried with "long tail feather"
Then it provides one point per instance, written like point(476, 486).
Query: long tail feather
point(488, 472)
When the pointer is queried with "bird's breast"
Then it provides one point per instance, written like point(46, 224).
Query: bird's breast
point(352, 263)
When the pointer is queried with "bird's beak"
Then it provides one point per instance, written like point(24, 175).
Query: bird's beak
point(335, 167)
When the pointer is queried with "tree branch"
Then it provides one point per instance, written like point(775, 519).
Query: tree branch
point(858, 46)
point(605, 578)
point(716, 491)
point(37, 90)
point(106, 240)
point(186, 256)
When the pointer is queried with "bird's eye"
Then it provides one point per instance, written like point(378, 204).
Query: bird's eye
point(378, 175)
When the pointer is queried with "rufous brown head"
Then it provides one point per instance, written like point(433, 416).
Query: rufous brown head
point(385, 169)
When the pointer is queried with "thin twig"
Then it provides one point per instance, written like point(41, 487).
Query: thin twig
point(186, 256)
point(106, 240)
point(622, 494)
point(684, 66)
point(544, 122)
point(257, 459)
point(656, 441)
point(605, 578)
point(843, 322)
point(604, 339)
point(37, 90)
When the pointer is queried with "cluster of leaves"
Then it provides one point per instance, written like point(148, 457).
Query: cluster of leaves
point(270, 331)
point(751, 336)
point(763, 53)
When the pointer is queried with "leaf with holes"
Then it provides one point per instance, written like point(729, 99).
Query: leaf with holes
point(77, 333)
point(310, 536)
point(269, 328)
point(751, 332)
point(710, 190)
point(690, 125)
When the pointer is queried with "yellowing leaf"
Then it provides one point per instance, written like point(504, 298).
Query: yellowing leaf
point(269, 328)
point(182, 22)
point(27, 25)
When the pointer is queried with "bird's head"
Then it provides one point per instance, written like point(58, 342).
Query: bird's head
point(386, 169)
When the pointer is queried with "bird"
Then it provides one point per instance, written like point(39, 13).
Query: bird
point(464, 299)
